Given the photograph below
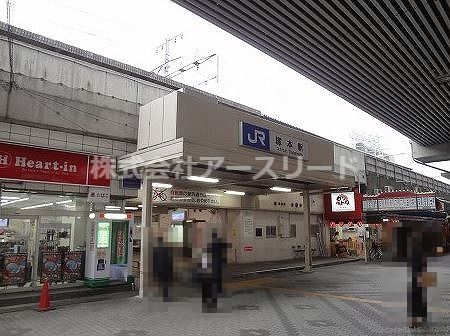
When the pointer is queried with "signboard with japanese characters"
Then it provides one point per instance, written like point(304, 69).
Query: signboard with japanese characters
point(370, 205)
point(185, 196)
point(248, 223)
point(343, 201)
point(288, 146)
point(405, 202)
point(99, 195)
point(261, 138)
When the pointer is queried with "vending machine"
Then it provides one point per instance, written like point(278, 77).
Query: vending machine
point(109, 248)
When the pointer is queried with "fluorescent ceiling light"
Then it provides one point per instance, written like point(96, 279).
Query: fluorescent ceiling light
point(10, 198)
point(281, 189)
point(131, 208)
point(181, 198)
point(203, 179)
point(161, 185)
point(64, 202)
point(37, 206)
point(140, 205)
point(112, 207)
point(15, 201)
point(234, 192)
point(115, 216)
point(208, 194)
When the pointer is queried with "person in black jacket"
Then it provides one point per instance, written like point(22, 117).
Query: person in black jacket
point(163, 268)
point(212, 280)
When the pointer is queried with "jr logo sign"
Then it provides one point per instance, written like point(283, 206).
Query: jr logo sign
point(254, 136)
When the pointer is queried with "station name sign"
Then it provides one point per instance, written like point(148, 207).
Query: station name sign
point(264, 139)
point(414, 202)
point(45, 165)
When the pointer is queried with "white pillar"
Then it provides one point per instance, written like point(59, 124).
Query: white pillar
point(307, 220)
point(145, 271)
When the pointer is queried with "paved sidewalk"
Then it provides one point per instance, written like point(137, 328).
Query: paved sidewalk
point(265, 267)
point(339, 300)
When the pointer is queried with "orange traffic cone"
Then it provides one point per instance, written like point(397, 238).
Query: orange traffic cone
point(44, 303)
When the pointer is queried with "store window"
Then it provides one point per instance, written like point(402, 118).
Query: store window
point(61, 248)
point(271, 231)
point(42, 237)
point(17, 245)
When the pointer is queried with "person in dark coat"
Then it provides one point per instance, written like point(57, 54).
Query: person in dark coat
point(163, 268)
point(212, 280)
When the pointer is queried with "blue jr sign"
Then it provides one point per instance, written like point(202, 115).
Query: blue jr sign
point(267, 140)
point(255, 136)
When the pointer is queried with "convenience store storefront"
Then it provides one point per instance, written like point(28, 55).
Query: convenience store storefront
point(43, 229)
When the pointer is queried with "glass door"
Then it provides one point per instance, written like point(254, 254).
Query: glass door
point(18, 263)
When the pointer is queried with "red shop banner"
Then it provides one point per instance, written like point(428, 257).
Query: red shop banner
point(46, 165)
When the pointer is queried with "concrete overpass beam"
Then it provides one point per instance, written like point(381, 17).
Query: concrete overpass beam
point(431, 153)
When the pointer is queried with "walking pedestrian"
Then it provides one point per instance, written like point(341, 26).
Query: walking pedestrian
point(213, 262)
point(163, 268)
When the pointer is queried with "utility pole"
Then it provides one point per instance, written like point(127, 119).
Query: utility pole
point(165, 47)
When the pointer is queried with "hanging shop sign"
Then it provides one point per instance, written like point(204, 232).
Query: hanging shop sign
point(15, 269)
point(51, 266)
point(119, 243)
point(343, 201)
point(264, 139)
point(399, 202)
point(99, 195)
point(45, 165)
point(185, 196)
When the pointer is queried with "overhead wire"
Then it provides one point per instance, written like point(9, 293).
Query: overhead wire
point(84, 12)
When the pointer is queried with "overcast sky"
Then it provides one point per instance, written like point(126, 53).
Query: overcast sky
point(131, 31)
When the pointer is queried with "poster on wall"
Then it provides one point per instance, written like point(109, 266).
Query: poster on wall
point(15, 269)
point(73, 265)
point(283, 226)
point(51, 266)
point(248, 223)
